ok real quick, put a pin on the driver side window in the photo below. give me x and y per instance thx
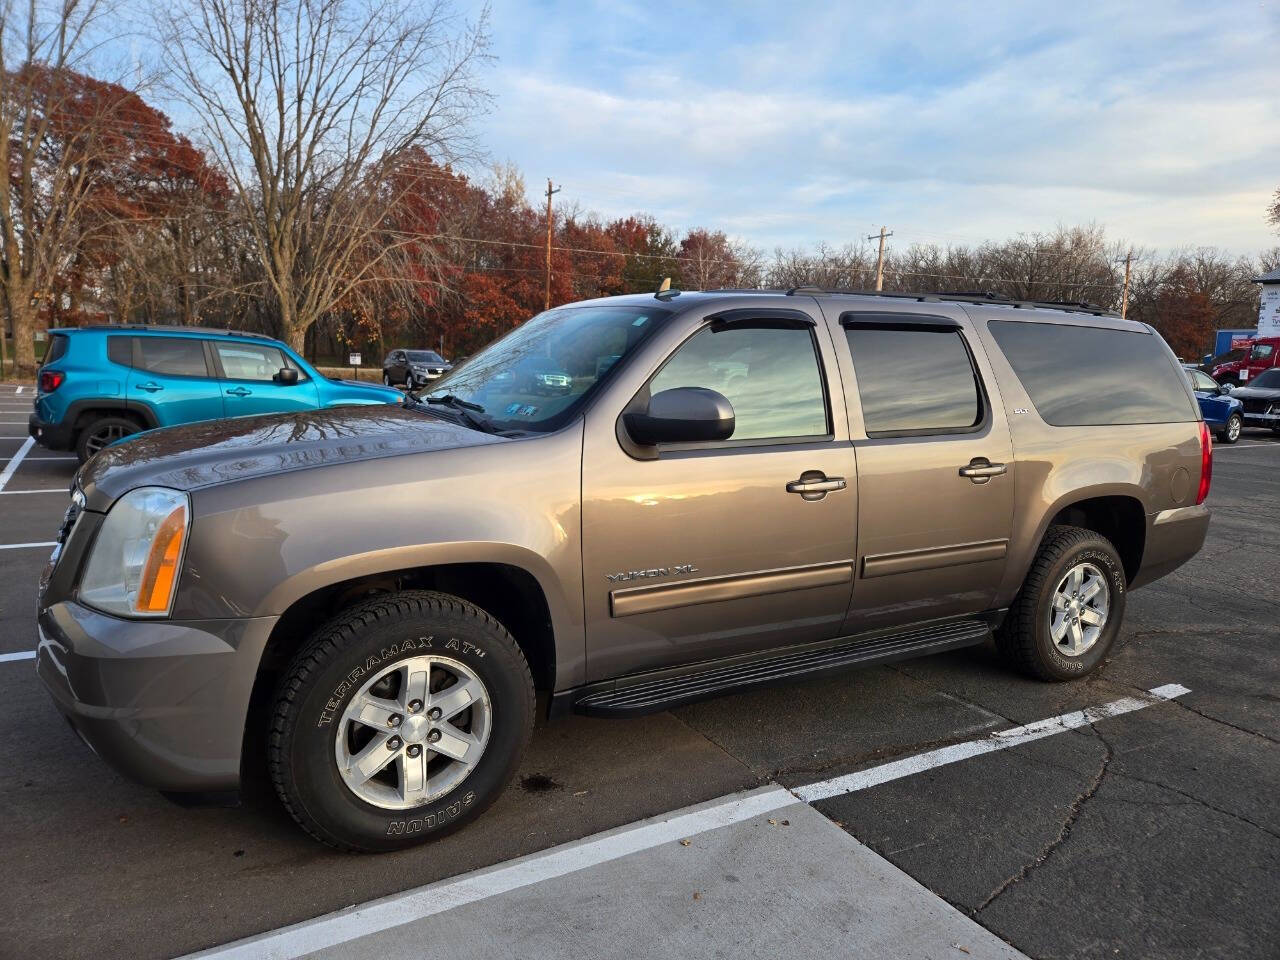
(769, 374)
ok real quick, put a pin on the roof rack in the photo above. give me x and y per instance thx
(171, 328)
(995, 299)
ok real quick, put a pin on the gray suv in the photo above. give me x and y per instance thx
(724, 490)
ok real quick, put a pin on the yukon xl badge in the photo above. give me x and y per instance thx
(651, 572)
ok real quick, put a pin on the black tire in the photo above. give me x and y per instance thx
(1024, 639)
(386, 379)
(327, 673)
(101, 432)
(1230, 431)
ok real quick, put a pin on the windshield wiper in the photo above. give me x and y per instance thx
(466, 410)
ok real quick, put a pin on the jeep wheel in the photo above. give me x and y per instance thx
(102, 433)
(1066, 617)
(399, 721)
(1230, 431)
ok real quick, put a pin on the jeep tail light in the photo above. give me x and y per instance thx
(1206, 462)
(51, 380)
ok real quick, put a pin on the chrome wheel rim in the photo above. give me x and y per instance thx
(104, 438)
(413, 732)
(1233, 429)
(1078, 613)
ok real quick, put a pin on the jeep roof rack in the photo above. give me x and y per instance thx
(168, 327)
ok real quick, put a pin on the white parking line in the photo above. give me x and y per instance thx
(1001, 740)
(13, 464)
(20, 546)
(11, 493)
(24, 655)
(363, 920)
(19, 390)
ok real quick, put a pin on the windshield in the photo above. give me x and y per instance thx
(538, 376)
(424, 356)
(1270, 379)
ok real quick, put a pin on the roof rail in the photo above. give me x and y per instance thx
(170, 328)
(995, 299)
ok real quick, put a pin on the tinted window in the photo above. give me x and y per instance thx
(1261, 351)
(250, 361)
(120, 350)
(175, 356)
(57, 348)
(424, 356)
(1268, 379)
(770, 375)
(914, 380)
(1084, 376)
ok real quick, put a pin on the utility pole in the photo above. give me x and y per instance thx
(880, 259)
(550, 192)
(1124, 297)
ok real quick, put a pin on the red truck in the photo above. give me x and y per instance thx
(1261, 353)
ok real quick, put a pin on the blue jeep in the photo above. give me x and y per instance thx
(1223, 413)
(98, 384)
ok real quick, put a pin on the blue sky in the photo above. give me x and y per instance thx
(788, 124)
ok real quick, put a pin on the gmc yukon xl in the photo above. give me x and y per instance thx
(724, 489)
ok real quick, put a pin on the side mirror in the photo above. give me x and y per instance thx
(286, 376)
(1224, 388)
(682, 415)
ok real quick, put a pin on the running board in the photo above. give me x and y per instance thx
(647, 693)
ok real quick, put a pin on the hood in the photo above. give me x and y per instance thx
(1256, 393)
(221, 451)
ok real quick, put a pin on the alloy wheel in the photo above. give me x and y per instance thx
(413, 732)
(1078, 613)
(104, 438)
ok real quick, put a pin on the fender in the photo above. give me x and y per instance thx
(77, 407)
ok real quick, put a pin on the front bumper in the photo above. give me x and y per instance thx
(1173, 537)
(164, 702)
(1261, 419)
(54, 436)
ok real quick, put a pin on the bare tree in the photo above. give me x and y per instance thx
(54, 125)
(1273, 211)
(306, 103)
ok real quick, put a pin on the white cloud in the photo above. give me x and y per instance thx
(801, 125)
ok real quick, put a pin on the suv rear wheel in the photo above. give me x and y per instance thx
(400, 721)
(1230, 431)
(102, 433)
(1068, 613)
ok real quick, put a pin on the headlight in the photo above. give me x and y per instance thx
(133, 566)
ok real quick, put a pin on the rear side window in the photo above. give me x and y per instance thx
(57, 348)
(1261, 351)
(914, 382)
(174, 356)
(1090, 376)
(120, 350)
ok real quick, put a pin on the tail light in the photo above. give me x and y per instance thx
(51, 380)
(1206, 463)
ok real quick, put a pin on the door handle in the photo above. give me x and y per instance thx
(239, 392)
(814, 485)
(150, 387)
(981, 470)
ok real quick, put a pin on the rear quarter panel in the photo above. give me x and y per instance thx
(1156, 464)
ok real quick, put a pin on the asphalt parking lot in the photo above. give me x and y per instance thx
(1154, 833)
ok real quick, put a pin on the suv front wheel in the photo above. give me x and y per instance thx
(1067, 615)
(400, 721)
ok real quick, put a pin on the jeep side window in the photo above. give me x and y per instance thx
(769, 374)
(914, 381)
(250, 361)
(173, 356)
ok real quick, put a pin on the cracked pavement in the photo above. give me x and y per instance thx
(1151, 834)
